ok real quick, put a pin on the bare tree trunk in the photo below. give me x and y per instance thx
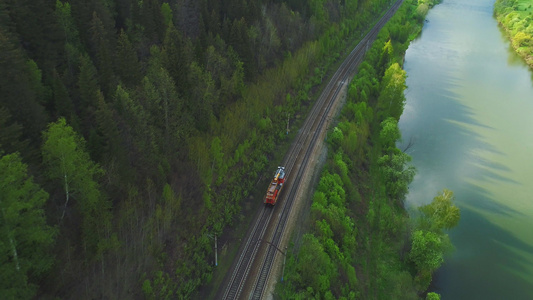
(13, 247)
(68, 196)
(103, 270)
(15, 254)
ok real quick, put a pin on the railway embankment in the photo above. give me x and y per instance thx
(359, 243)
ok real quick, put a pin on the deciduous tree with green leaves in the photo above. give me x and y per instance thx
(426, 251)
(396, 172)
(429, 241)
(391, 99)
(440, 214)
(432, 296)
(25, 237)
(69, 166)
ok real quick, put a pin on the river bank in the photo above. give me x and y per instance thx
(515, 17)
(359, 242)
(468, 117)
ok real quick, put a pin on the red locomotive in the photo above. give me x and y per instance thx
(275, 187)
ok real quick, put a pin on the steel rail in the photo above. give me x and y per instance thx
(344, 73)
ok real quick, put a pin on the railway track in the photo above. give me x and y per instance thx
(296, 165)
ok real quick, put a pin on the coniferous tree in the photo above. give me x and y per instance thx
(238, 38)
(176, 57)
(11, 139)
(62, 102)
(73, 45)
(164, 105)
(123, 12)
(201, 97)
(35, 80)
(88, 91)
(103, 57)
(211, 19)
(16, 93)
(83, 13)
(138, 135)
(112, 150)
(106, 126)
(127, 64)
(5, 21)
(37, 29)
(63, 12)
(151, 19)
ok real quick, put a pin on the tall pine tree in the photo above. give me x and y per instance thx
(176, 57)
(16, 93)
(101, 47)
(127, 64)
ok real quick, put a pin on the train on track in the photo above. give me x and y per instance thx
(274, 189)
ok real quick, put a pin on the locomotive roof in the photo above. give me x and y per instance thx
(281, 172)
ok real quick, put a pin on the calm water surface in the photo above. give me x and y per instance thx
(469, 112)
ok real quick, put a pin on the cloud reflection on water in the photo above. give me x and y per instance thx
(458, 124)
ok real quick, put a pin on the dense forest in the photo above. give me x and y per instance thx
(361, 242)
(132, 130)
(516, 17)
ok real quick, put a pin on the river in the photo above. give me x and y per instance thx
(469, 115)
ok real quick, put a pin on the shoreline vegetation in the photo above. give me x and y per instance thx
(516, 18)
(362, 243)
